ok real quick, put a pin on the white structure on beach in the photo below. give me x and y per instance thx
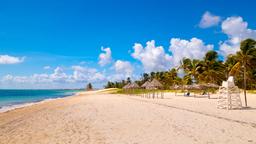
(229, 95)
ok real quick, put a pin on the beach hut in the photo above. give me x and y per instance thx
(133, 86)
(210, 86)
(198, 87)
(126, 87)
(144, 86)
(176, 87)
(193, 87)
(154, 85)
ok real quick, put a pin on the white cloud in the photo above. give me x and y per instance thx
(58, 79)
(152, 58)
(83, 74)
(40, 78)
(123, 67)
(237, 30)
(59, 75)
(194, 49)
(105, 58)
(209, 20)
(123, 70)
(47, 67)
(6, 59)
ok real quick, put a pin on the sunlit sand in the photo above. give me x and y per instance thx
(99, 117)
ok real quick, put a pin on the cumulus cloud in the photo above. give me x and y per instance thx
(209, 20)
(6, 59)
(123, 69)
(194, 49)
(59, 77)
(84, 74)
(105, 57)
(153, 58)
(237, 30)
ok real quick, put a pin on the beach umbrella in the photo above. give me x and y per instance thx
(186, 87)
(154, 84)
(126, 86)
(211, 85)
(150, 86)
(145, 84)
(197, 87)
(194, 87)
(134, 86)
(176, 87)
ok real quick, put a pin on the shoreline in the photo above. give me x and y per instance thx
(5, 109)
(99, 117)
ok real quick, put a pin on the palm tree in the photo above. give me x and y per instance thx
(190, 67)
(246, 57)
(128, 80)
(145, 77)
(169, 77)
(89, 87)
(211, 70)
(193, 70)
(229, 64)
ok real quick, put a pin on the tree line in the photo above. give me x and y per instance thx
(241, 65)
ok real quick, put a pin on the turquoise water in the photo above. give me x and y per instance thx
(18, 97)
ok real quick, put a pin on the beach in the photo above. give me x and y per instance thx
(100, 117)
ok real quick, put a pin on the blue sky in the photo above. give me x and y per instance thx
(48, 34)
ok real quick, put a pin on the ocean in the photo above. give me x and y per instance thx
(10, 99)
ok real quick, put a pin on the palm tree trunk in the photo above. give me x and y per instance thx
(245, 98)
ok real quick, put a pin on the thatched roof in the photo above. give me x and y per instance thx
(194, 87)
(197, 87)
(145, 84)
(176, 87)
(211, 85)
(154, 84)
(134, 86)
(127, 86)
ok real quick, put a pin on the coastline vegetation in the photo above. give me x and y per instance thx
(211, 69)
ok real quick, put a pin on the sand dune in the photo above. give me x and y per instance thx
(116, 119)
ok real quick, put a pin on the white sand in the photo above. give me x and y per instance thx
(119, 119)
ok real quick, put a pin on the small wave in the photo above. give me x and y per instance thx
(16, 106)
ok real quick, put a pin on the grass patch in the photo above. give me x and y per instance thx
(143, 91)
(251, 91)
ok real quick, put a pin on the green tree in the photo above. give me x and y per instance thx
(128, 80)
(210, 69)
(169, 78)
(89, 87)
(152, 75)
(145, 77)
(190, 68)
(246, 59)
